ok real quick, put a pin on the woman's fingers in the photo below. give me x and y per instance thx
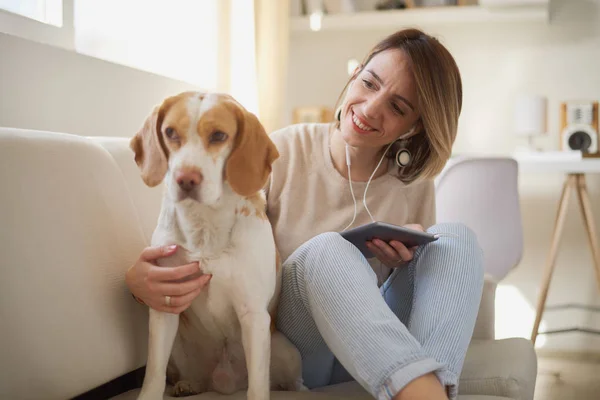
(390, 253)
(404, 253)
(393, 254)
(162, 274)
(152, 253)
(180, 288)
(178, 304)
(186, 299)
(381, 256)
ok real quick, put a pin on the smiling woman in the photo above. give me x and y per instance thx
(406, 95)
(414, 86)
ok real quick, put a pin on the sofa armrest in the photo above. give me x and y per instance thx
(485, 325)
(506, 367)
(69, 234)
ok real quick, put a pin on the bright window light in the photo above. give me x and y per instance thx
(352, 64)
(177, 39)
(46, 11)
(315, 20)
(515, 315)
(243, 61)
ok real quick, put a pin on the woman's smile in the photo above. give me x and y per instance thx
(360, 125)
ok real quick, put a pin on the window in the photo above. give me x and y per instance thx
(177, 39)
(206, 43)
(46, 11)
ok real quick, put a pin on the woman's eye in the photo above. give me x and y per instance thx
(368, 84)
(218, 137)
(171, 134)
(397, 109)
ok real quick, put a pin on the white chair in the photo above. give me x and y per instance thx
(483, 193)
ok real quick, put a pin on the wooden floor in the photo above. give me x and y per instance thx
(565, 379)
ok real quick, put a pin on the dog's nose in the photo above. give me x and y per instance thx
(188, 179)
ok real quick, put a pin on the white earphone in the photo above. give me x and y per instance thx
(402, 156)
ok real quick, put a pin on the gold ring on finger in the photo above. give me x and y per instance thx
(168, 301)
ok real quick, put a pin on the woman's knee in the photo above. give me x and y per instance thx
(460, 243)
(326, 257)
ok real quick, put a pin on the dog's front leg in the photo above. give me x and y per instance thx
(257, 348)
(163, 328)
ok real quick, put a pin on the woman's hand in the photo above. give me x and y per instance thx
(164, 288)
(393, 254)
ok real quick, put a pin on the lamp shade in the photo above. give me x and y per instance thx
(531, 115)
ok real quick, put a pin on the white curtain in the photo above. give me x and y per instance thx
(257, 60)
(242, 67)
(272, 44)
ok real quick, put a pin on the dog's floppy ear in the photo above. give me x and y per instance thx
(150, 153)
(249, 164)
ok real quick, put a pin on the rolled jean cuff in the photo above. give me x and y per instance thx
(405, 374)
(450, 382)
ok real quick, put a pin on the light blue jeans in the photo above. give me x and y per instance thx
(419, 321)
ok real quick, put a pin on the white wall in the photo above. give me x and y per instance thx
(560, 59)
(49, 88)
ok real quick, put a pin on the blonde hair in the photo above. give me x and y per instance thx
(439, 92)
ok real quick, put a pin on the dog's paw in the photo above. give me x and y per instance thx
(184, 388)
(299, 386)
(303, 388)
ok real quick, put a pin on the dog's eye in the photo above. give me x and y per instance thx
(171, 134)
(217, 137)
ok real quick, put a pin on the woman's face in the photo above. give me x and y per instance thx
(381, 102)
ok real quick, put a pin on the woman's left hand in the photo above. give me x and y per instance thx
(393, 254)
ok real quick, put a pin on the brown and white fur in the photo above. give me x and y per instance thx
(214, 158)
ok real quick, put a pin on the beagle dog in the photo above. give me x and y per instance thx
(214, 158)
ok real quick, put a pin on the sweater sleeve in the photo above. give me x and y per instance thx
(276, 180)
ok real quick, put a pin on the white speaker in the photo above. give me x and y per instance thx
(579, 127)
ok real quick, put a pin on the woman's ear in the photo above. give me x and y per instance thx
(414, 130)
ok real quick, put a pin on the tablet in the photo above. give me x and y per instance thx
(387, 232)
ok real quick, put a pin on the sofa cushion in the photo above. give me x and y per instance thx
(345, 391)
(351, 391)
(490, 372)
(68, 323)
(147, 200)
(132, 395)
(506, 367)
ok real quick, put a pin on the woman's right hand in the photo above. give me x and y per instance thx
(152, 284)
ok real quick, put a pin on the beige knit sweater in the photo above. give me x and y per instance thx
(307, 196)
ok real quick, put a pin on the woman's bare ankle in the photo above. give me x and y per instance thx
(426, 387)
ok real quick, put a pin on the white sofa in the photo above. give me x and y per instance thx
(75, 215)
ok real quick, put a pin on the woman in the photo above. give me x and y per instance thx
(400, 323)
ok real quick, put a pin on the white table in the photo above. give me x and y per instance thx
(575, 168)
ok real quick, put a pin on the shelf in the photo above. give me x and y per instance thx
(394, 19)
